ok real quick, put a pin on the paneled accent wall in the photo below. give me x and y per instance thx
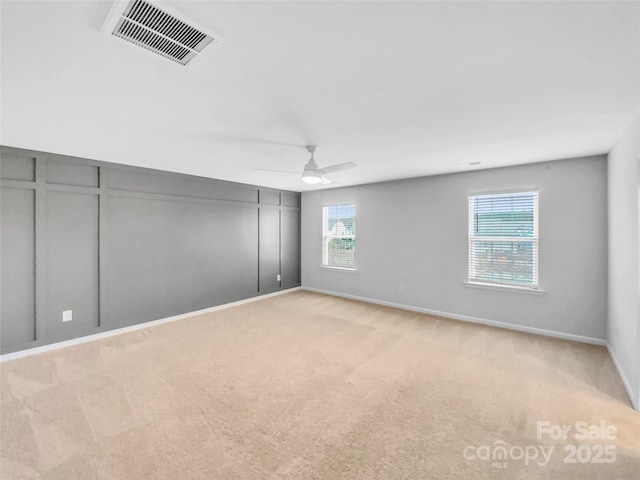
(119, 245)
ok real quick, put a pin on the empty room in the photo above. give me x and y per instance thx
(319, 240)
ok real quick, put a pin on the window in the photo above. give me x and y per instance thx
(503, 239)
(339, 236)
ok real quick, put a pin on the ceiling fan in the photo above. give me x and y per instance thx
(312, 173)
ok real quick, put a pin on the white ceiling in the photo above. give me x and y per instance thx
(403, 89)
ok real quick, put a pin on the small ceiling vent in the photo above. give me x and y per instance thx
(157, 29)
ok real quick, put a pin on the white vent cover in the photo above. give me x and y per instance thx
(153, 27)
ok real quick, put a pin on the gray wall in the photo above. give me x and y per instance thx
(414, 233)
(624, 271)
(123, 245)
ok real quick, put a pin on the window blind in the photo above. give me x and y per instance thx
(339, 236)
(503, 238)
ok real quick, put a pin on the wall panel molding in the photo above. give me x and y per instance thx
(159, 244)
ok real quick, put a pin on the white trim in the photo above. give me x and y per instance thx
(505, 288)
(475, 240)
(625, 381)
(339, 269)
(504, 191)
(327, 236)
(467, 318)
(119, 331)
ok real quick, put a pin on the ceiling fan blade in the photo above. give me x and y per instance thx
(337, 168)
(325, 180)
(279, 171)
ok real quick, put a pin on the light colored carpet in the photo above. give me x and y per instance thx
(307, 386)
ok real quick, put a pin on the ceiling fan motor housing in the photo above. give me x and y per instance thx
(310, 173)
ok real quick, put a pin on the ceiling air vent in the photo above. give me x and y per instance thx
(158, 30)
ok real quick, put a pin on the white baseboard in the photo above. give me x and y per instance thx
(466, 318)
(119, 331)
(625, 381)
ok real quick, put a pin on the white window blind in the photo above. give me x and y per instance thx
(503, 239)
(339, 236)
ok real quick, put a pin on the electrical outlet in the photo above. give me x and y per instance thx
(401, 287)
(67, 315)
(278, 277)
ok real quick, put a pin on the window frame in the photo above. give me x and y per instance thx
(534, 286)
(327, 237)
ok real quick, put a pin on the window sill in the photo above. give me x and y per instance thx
(505, 288)
(339, 269)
